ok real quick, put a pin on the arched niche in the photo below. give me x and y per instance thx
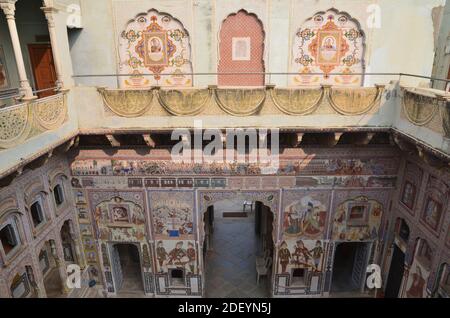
(158, 44)
(328, 42)
(241, 50)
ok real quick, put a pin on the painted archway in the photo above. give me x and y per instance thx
(241, 50)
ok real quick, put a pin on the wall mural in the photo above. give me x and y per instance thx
(305, 213)
(296, 253)
(118, 216)
(172, 214)
(357, 219)
(155, 43)
(330, 42)
(305, 166)
(413, 177)
(300, 265)
(176, 254)
(417, 276)
(435, 201)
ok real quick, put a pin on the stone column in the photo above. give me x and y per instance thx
(9, 8)
(50, 12)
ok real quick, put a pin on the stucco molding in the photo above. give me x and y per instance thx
(127, 102)
(240, 102)
(354, 101)
(184, 102)
(419, 108)
(301, 101)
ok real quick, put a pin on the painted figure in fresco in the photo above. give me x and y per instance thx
(301, 254)
(329, 43)
(432, 213)
(178, 255)
(161, 255)
(417, 285)
(284, 255)
(155, 46)
(120, 214)
(191, 255)
(317, 252)
(306, 218)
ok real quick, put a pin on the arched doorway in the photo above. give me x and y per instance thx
(127, 273)
(397, 268)
(49, 266)
(238, 248)
(68, 243)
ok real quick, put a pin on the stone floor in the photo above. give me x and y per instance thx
(230, 266)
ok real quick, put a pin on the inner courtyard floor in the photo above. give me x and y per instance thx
(231, 263)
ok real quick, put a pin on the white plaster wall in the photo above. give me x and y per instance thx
(404, 43)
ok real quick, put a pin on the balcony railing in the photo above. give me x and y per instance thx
(243, 101)
(25, 120)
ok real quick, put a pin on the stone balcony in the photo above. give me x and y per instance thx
(33, 129)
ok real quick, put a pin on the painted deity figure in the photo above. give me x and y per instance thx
(161, 255)
(284, 256)
(191, 256)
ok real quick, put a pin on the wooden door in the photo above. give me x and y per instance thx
(44, 73)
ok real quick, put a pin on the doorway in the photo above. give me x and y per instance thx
(395, 275)
(349, 267)
(41, 57)
(127, 270)
(238, 238)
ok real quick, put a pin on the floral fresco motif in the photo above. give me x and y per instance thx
(330, 42)
(174, 254)
(172, 213)
(155, 43)
(357, 219)
(306, 217)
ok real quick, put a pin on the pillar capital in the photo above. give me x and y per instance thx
(49, 15)
(8, 7)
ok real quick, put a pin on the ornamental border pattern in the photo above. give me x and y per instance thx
(21, 122)
(242, 101)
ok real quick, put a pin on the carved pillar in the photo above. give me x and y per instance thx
(9, 8)
(50, 12)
